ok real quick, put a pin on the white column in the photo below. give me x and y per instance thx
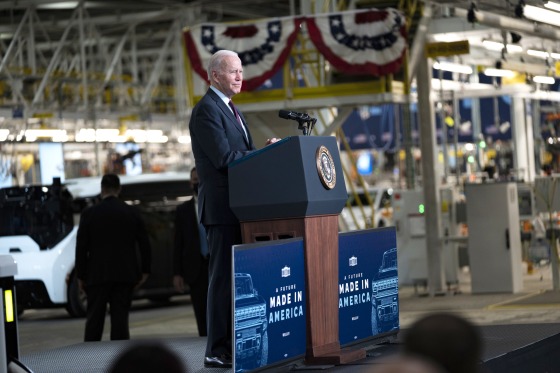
(522, 136)
(430, 178)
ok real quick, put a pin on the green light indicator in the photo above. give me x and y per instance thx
(482, 144)
(470, 159)
(421, 208)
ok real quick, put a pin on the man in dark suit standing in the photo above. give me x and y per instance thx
(190, 256)
(219, 135)
(113, 256)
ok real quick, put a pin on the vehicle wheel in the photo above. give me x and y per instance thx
(264, 350)
(77, 300)
(374, 327)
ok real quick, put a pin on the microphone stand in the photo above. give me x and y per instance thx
(306, 125)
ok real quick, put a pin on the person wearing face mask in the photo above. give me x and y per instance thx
(190, 256)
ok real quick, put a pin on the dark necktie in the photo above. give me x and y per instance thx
(232, 106)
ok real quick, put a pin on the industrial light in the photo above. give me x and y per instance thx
(543, 79)
(55, 135)
(113, 135)
(498, 46)
(99, 135)
(504, 73)
(4, 133)
(536, 53)
(184, 139)
(541, 15)
(60, 5)
(504, 127)
(552, 5)
(452, 67)
(543, 54)
(141, 136)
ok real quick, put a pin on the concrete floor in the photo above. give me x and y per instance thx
(48, 337)
(487, 309)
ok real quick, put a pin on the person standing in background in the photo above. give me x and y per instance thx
(190, 256)
(219, 136)
(113, 256)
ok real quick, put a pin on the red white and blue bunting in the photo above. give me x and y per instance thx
(263, 47)
(371, 42)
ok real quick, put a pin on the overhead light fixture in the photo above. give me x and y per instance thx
(99, 135)
(543, 79)
(498, 46)
(543, 54)
(493, 45)
(114, 135)
(504, 127)
(184, 139)
(452, 67)
(536, 53)
(4, 133)
(552, 5)
(504, 73)
(60, 5)
(541, 15)
(54, 134)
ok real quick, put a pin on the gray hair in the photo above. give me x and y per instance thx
(216, 60)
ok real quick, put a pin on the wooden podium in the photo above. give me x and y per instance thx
(295, 188)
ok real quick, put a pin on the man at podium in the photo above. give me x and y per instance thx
(219, 135)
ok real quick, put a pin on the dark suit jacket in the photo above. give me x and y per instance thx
(187, 259)
(217, 140)
(112, 244)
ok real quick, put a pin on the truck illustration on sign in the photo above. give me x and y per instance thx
(385, 295)
(251, 337)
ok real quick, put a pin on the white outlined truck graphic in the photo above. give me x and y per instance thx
(385, 295)
(251, 337)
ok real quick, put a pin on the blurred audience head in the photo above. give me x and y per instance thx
(148, 357)
(448, 340)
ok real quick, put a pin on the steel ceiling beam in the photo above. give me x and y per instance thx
(512, 24)
(156, 72)
(53, 62)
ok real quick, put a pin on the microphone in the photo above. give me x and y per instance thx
(287, 114)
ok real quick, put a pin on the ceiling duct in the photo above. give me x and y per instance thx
(512, 24)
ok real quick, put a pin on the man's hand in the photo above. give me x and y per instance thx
(271, 141)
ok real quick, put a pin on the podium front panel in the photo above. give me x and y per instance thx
(282, 181)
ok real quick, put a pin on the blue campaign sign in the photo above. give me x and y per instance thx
(368, 284)
(269, 306)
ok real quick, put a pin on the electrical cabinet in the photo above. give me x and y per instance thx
(494, 242)
(409, 218)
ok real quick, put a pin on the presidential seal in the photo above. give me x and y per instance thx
(325, 167)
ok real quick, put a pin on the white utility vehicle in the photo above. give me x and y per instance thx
(38, 227)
